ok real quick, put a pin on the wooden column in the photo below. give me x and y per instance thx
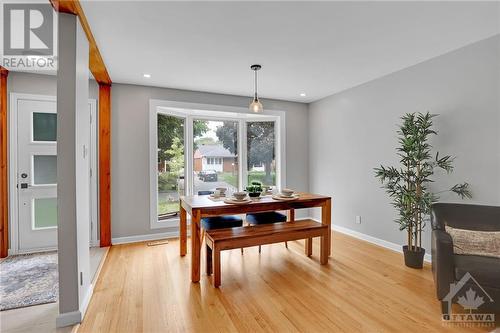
(4, 176)
(100, 73)
(105, 164)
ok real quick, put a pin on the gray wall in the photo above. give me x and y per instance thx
(353, 131)
(130, 153)
(28, 83)
(130, 142)
(349, 134)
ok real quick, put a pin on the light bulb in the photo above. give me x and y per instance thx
(256, 106)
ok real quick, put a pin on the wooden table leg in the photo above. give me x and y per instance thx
(309, 247)
(209, 260)
(323, 256)
(326, 218)
(183, 231)
(195, 245)
(216, 267)
(291, 218)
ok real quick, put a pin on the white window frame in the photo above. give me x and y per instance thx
(191, 111)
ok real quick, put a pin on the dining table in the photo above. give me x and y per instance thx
(200, 206)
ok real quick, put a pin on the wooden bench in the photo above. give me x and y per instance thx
(233, 238)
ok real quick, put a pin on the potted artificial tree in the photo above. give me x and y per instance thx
(407, 184)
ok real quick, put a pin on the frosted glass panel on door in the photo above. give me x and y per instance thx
(44, 126)
(44, 169)
(45, 214)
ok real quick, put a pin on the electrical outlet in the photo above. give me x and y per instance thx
(358, 219)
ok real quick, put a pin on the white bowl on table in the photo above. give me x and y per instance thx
(286, 192)
(240, 195)
(222, 190)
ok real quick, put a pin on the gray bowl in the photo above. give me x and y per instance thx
(240, 195)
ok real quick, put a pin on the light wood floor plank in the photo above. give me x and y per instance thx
(364, 288)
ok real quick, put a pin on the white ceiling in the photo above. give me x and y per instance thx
(317, 48)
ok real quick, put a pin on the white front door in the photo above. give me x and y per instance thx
(37, 172)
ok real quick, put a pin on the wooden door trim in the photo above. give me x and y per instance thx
(100, 73)
(96, 64)
(4, 174)
(104, 137)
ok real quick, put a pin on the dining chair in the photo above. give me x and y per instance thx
(266, 218)
(219, 222)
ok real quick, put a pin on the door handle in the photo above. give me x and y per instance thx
(24, 185)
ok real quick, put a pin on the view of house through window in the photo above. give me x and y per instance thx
(197, 153)
(170, 164)
(261, 155)
(215, 158)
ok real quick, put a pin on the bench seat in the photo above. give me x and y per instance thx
(232, 238)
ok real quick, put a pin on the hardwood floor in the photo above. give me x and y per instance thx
(364, 288)
(42, 318)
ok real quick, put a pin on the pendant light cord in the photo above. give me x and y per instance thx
(255, 85)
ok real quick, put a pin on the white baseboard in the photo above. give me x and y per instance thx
(76, 317)
(86, 300)
(12, 252)
(68, 318)
(142, 238)
(377, 241)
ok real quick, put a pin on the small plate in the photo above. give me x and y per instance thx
(280, 197)
(236, 201)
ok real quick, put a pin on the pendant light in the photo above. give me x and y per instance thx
(256, 105)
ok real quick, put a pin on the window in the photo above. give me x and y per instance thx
(44, 126)
(217, 141)
(197, 148)
(44, 169)
(261, 156)
(170, 166)
(214, 160)
(44, 213)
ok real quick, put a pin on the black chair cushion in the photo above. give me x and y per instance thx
(266, 218)
(220, 222)
(205, 192)
(486, 270)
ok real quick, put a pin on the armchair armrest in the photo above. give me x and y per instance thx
(443, 266)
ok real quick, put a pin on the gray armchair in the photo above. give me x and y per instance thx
(448, 267)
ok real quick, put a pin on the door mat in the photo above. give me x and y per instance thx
(28, 279)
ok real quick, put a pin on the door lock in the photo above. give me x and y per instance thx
(24, 175)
